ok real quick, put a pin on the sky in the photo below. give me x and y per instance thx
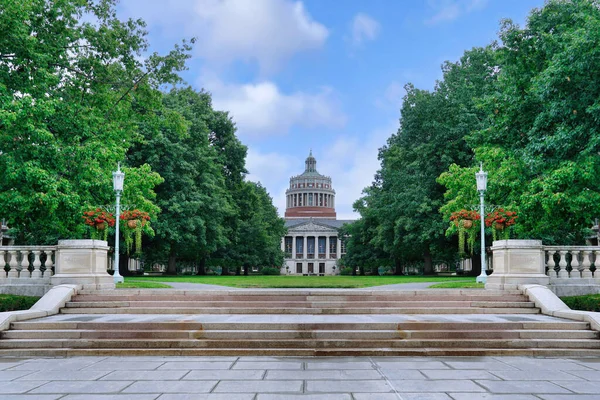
(326, 75)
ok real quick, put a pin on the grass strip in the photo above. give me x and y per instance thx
(303, 282)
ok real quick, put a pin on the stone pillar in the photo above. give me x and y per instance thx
(283, 244)
(294, 247)
(304, 243)
(517, 262)
(327, 247)
(338, 249)
(82, 262)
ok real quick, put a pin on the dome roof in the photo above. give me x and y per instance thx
(310, 168)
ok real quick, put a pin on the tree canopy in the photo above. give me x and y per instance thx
(527, 107)
(80, 93)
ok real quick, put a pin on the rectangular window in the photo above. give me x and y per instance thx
(298, 268)
(288, 246)
(310, 247)
(343, 247)
(299, 247)
(333, 247)
(322, 252)
(310, 199)
(311, 268)
(321, 268)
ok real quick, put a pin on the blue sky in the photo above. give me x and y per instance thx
(320, 74)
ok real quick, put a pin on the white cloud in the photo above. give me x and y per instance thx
(262, 109)
(364, 28)
(352, 163)
(264, 31)
(273, 171)
(449, 10)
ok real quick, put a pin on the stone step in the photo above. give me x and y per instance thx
(298, 334)
(286, 293)
(313, 326)
(348, 352)
(274, 305)
(301, 343)
(322, 311)
(291, 299)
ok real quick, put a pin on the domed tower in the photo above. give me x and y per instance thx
(310, 194)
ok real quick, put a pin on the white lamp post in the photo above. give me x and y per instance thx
(118, 178)
(481, 178)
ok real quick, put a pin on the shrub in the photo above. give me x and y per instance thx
(271, 271)
(9, 302)
(589, 302)
(346, 271)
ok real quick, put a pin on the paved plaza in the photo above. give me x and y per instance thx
(268, 378)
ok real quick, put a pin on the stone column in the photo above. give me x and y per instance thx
(517, 262)
(294, 247)
(338, 249)
(82, 262)
(327, 247)
(283, 244)
(304, 243)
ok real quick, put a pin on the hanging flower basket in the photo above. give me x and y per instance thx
(99, 221)
(134, 223)
(467, 229)
(500, 221)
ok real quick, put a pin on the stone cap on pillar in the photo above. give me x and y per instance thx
(516, 244)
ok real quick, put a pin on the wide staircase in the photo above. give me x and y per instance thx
(297, 322)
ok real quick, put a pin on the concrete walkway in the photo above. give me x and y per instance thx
(204, 286)
(269, 378)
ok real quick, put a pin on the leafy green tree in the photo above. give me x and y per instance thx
(258, 239)
(70, 92)
(193, 198)
(405, 197)
(541, 140)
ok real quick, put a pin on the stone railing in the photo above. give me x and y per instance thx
(33, 270)
(26, 262)
(566, 270)
(573, 262)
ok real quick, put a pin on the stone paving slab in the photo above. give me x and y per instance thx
(301, 318)
(300, 378)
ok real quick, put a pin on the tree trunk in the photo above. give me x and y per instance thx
(124, 265)
(246, 267)
(399, 269)
(238, 271)
(428, 263)
(172, 265)
(201, 269)
(476, 264)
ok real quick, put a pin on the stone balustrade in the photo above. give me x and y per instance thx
(566, 270)
(26, 262)
(33, 270)
(573, 262)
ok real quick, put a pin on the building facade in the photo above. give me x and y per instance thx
(312, 245)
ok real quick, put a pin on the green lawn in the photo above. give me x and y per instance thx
(10, 302)
(270, 281)
(458, 285)
(133, 284)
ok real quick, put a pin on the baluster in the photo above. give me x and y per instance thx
(36, 273)
(2, 264)
(13, 272)
(575, 272)
(597, 264)
(562, 273)
(25, 274)
(586, 273)
(48, 263)
(551, 264)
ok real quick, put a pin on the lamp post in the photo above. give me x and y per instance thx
(118, 178)
(481, 178)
